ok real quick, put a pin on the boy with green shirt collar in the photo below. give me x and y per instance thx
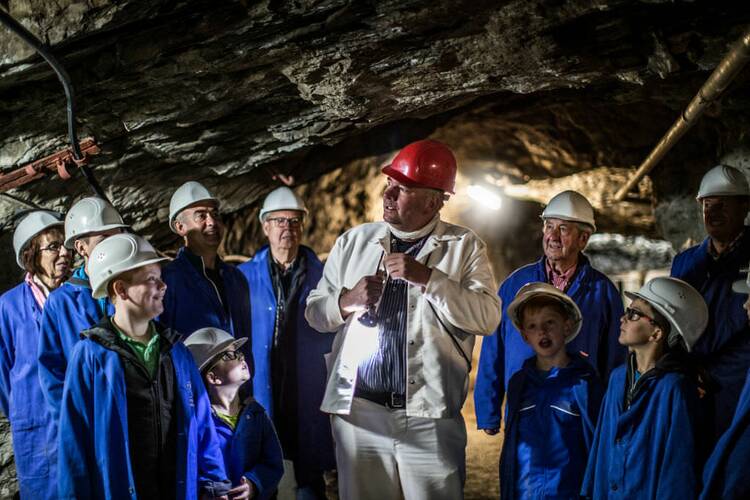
(133, 378)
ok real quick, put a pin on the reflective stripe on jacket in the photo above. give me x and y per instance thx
(549, 428)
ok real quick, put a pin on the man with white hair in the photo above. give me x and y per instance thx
(404, 335)
(711, 268)
(290, 370)
(568, 222)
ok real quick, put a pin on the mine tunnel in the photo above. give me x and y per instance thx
(532, 97)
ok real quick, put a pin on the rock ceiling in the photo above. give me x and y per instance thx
(534, 95)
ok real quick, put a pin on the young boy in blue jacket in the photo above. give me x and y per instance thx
(645, 444)
(552, 401)
(135, 420)
(251, 450)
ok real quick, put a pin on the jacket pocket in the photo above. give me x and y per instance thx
(31, 449)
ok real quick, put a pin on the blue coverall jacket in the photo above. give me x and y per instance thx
(647, 450)
(724, 348)
(69, 310)
(727, 472)
(94, 457)
(251, 450)
(21, 398)
(192, 302)
(548, 430)
(314, 438)
(504, 353)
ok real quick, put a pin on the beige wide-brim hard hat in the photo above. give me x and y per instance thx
(539, 289)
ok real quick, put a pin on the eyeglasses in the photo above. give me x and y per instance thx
(634, 315)
(54, 247)
(201, 216)
(285, 221)
(232, 355)
(226, 356)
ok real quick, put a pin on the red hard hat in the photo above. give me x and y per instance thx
(424, 163)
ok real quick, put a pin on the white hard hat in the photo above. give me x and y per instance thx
(572, 206)
(118, 254)
(533, 290)
(90, 215)
(723, 180)
(680, 304)
(207, 343)
(188, 194)
(31, 225)
(282, 198)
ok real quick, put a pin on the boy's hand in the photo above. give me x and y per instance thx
(491, 432)
(245, 491)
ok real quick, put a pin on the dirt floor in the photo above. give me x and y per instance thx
(482, 451)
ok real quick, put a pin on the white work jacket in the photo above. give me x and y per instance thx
(458, 303)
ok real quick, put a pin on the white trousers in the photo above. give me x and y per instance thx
(381, 454)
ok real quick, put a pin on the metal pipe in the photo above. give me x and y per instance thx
(716, 84)
(64, 78)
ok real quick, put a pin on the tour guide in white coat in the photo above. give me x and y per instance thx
(400, 363)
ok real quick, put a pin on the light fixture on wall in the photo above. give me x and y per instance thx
(488, 198)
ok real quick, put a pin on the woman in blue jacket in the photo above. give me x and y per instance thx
(38, 242)
(135, 420)
(645, 443)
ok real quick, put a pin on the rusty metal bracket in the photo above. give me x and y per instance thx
(55, 163)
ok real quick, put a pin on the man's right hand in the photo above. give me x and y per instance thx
(365, 293)
(491, 432)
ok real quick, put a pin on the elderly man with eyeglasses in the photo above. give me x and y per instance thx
(202, 290)
(568, 223)
(290, 371)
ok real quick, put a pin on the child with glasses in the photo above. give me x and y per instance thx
(252, 452)
(552, 401)
(646, 445)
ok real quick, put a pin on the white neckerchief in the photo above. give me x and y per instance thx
(415, 235)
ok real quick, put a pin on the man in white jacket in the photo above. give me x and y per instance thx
(406, 296)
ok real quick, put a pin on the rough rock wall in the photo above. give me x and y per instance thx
(224, 92)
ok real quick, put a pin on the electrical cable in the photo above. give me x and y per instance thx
(62, 75)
